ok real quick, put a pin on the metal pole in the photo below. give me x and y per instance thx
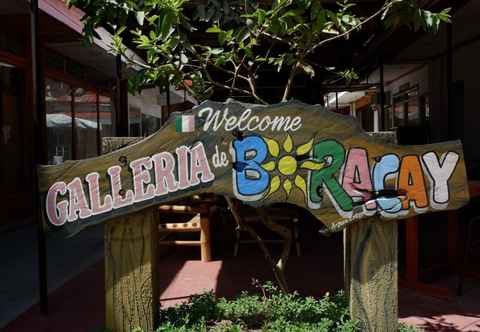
(450, 110)
(74, 129)
(168, 98)
(122, 95)
(99, 138)
(40, 152)
(122, 100)
(382, 95)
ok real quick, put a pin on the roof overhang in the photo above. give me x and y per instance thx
(61, 29)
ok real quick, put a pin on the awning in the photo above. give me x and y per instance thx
(150, 101)
(65, 121)
(99, 56)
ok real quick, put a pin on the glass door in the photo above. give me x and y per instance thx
(15, 174)
(410, 117)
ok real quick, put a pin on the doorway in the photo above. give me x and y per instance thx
(15, 173)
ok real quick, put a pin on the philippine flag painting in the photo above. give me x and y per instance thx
(185, 124)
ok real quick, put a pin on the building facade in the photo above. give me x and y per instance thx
(79, 87)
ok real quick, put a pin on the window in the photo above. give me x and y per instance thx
(58, 102)
(85, 110)
(135, 122)
(406, 108)
(150, 124)
(107, 128)
(75, 121)
(388, 123)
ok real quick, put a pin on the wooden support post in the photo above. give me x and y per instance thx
(130, 272)
(373, 289)
(205, 242)
(347, 260)
(411, 266)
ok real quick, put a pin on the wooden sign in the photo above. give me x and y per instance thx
(288, 152)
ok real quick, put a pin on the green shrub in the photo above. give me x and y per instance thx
(170, 327)
(272, 311)
(294, 308)
(198, 310)
(246, 309)
(281, 325)
(407, 328)
(226, 326)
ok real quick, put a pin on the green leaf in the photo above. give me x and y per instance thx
(348, 74)
(220, 61)
(261, 15)
(279, 63)
(290, 13)
(229, 35)
(242, 34)
(166, 24)
(316, 10)
(183, 58)
(221, 37)
(214, 29)
(444, 15)
(140, 17)
(152, 18)
(320, 21)
(216, 51)
(120, 30)
(308, 69)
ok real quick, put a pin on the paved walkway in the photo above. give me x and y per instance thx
(19, 265)
(79, 304)
(458, 314)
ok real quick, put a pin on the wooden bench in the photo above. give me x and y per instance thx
(199, 223)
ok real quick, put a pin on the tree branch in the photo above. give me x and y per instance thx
(237, 69)
(130, 60)
(286, 234)
(223, 86)
(227, 71)
(278, 272)
(349, 31)
(253, 88)
(291, 76)
(234, 79)
(276, 38)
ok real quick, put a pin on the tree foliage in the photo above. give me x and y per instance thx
(246, 37)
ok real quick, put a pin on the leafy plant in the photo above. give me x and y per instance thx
(249, 37)
(246, 309)
(271, 311)
(199, 309)
(408, 328)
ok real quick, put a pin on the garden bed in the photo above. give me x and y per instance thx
(269, 311)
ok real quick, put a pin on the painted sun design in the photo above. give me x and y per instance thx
(287, 163)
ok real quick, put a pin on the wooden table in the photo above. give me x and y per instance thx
(411, 278)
